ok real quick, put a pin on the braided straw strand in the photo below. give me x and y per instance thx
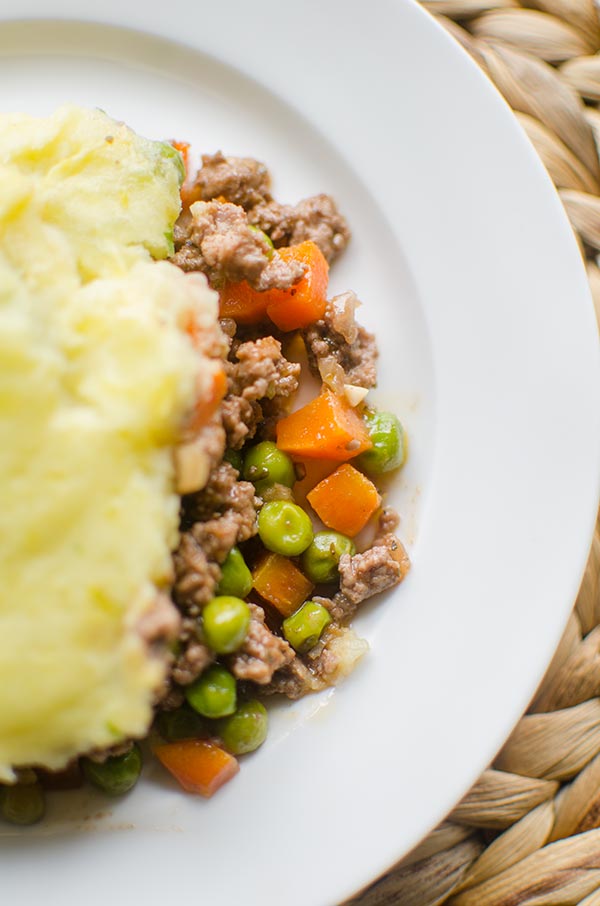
(528, 832)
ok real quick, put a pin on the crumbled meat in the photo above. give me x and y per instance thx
(246, 182)
(262, 652)
(213, 342)
(193, 661)
(220, 516)
(182, 229)
(330, 661)
(211, 440)
(336, 654)
(221, 243)
(257, 371)
(262, 371)
(375, 570)
(294, 680)
(241, 180)
(161, 622)
(222, 495)
(329, 350)
(241, 418)
(169, 696)
(217, 536)
(195, 576)
(316, 218)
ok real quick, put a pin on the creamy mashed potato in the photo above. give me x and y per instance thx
(97, 374)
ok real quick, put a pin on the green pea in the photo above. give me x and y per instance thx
(389, 443)
(321, 558)
(234, 458)
(183, 723)
(23, 803)
(117, 775)
(266, 462)
(236, 578)
(304, 628)
(245, 730)
(284, 528)
(214, 693)
(225, 622)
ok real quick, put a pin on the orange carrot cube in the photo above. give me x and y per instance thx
(279, 581)
(198, 765)
(326, 428)
(345, 500)
(304, 303)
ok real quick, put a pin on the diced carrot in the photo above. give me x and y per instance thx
(206, 406)
(198, 765)
(345, 500)
(242, 303)
(280, 582)
(315, 470)
(289, 309)
(187, 192)
(304, 303)
(184, 150)
(326, 428)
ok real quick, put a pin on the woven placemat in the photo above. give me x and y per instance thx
(528, 832)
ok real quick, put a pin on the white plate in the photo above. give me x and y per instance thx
(471, 277)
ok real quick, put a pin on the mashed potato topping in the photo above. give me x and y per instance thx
(97, 374)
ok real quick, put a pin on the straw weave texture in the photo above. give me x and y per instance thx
(528, 832)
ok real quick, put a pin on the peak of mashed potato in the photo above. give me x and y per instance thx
(97, 374)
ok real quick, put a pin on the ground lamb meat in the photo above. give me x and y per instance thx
(169, 697)
(331, 660)
(339, 350)
(261, 371)
(193, 661)
(195, 576)
(218, 517)
(316, 218)
(246, 182)
(262, 652)
(215, 237)
(241, 180)
(257, 371)
(375, 570)
(294, 681)
(222, 495)
(241, 419)
(213, 342)
(336, 654)
(161, 622)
